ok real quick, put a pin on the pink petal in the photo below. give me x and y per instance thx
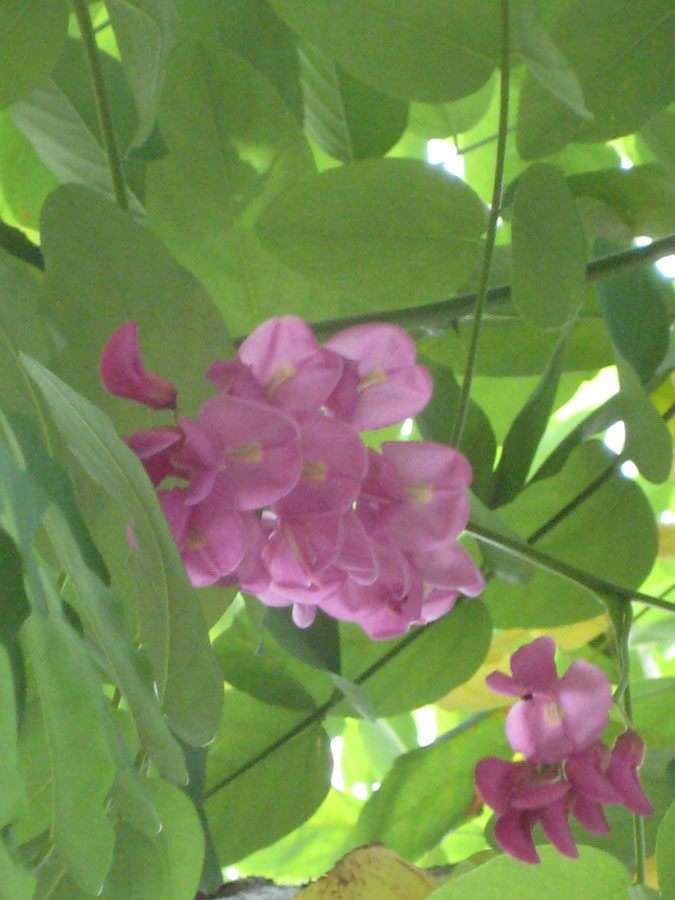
(503, 684)
(627, 756)
(585, 696)
(298, 551)
(390, 386)
(428, 462)
(513, 833)
(534, 728)
(303, 614)
(589, 813)
(231, 376)
(277, 343)
(556, 827)
(307, 389)
(533, 666)
(538, 791)
(260, 460)
(450, 566)
(436, 604)
(356, 556)
(334, 462)
(586, 771)
(155, 447)
(252, 573)
(495, 779)
(124, 375)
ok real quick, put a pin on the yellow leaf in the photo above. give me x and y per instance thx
(371, 873)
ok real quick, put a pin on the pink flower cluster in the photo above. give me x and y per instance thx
(274, 490)
(557, 725)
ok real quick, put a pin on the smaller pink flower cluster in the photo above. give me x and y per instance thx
(274, 489)
(557, 725)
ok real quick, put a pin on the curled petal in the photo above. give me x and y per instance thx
(513, 833)
(503, 684)
(590, 814)
(450, 566)
(303, 614)
(627, 756)
(124, 375)
(534, 728)
(556, 827)
(587, 772)
(495, 779)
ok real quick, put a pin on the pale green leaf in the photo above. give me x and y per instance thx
(31, 38)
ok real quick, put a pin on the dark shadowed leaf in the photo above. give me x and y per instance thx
(346, 118)
(318, 645)
(12, 796)
(665, 861)
(522, 440)
(436, 423)
(443, 120)
(14, 605)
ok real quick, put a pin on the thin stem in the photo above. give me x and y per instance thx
(437, 318)
(491, 229)
(638, 821)
(81, 10)
(558, 567)
(462, 151)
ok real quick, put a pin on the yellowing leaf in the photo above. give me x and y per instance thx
(371, 873)
(474, 695)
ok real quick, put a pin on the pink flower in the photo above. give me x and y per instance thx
(210, 539)
(250, 449)
(555, 716)
(124, 375)
(295, 373)
(156, 447)
(381, 384)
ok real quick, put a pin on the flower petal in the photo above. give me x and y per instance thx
(585, 696)
(513, 833)
(124, 375)
(556, 827)
(533, 665)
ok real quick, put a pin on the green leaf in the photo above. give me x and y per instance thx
(137, 870)
(623, 548)
(436, 421)
(146, 32)
(665, 860)
(254, 662)
(443, 120)
(261, 781)
(55, 484)
(99, 609)
(128, 791)
(524, 435)
(387, 232)
(504, 565)
(318, 645)
(33, 32)
(21, 329)
(82, 768)
(17, 883)
(659, 135)
(438, 779)
(12, 796)
(549, 259)
(643, 197)
(636, 317)
(594, 876)
(436, 51)
(547, 64)
(224, 165)
(173, 629)
(14, 605)
(621, 53)
(346, 118)
(104, 269)
(354, 694)
(181, 840)
(420, 670)
(648, 441)
(25, 179)
(60, 120)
